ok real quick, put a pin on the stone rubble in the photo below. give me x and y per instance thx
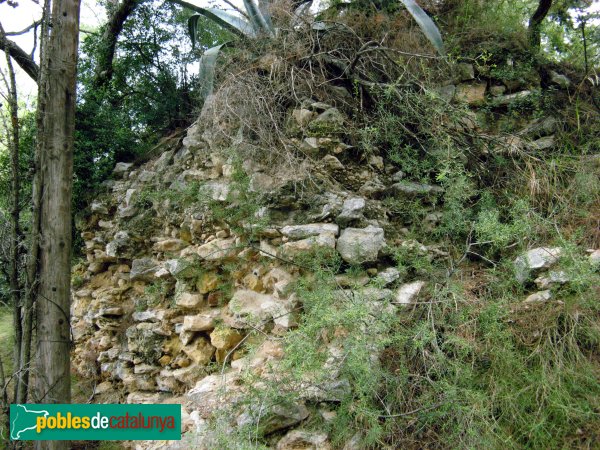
(172, 293)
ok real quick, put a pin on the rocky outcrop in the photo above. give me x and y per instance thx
(192, 259)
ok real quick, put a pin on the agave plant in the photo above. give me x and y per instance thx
(257, 23)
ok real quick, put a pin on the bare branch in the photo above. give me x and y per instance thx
(24, 30)
(20, 56)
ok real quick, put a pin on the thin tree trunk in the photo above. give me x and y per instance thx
(55, 147)
(104, 70)
(15, 213)
(33, 257)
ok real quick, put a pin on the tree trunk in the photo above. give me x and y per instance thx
(56, 122)
(36, 196)
(535, 23)
(15, 215)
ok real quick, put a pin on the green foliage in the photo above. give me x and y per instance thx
(498, 229)
(412, 261)
(178, 198)
(27, 130)
(151, 92)
(241, 210)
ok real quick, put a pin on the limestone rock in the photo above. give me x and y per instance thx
(331, 116)
(331, 163)
(208, 281)
(540, 296)
(200, 322)
(302, 116)
(146, 176)
(551, 279)
(189, 375)
(473, 94)
(595, 257)
(99, 208)
(217, 190)
(166, 382)
(291, 249)
(465, 71)
(188, 300)
(96, 267)
(388, 276)
(277, 280)
(357, 245)
(560, 80)
(218, 249)
(504, 100)
(180, 268)
(535, 259)
(544, 143)
(412, 189)
(186, 336)
(170, 245)
(311, 229)
(352, 209)
(115, 247)
(200, 351)
(407, 293)
(398, 176)
(139, 383)
(152, 315)
(209, 392)
(225, 338)
(102, 388)
(144, 398)
(143, 269)
(164, 161)
(303, 440)
(121, 169)
(373, 188)
(144, 338)
(277, 417)
(250, 307)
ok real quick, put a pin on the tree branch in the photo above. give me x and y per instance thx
(104, 70)
(20, 56)
(24, 30)
(535, 22)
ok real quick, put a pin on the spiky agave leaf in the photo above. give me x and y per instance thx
(206, 74)
(430, 30)
(263, 6)
(257, 19)
(232, 23)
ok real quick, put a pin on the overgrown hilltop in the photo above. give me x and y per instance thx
(359, 244)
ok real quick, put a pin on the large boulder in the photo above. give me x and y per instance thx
(360, 245)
